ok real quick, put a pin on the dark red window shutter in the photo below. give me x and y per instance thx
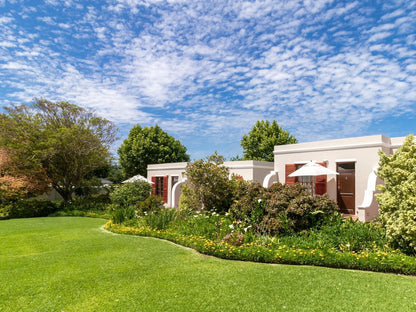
(320, 183)
(165, 189)
(289, 169)
(154, 186)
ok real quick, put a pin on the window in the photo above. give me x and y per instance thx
(316, 185)
(160, 187)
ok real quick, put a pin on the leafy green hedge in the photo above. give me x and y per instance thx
(28, 208)
(380, 261)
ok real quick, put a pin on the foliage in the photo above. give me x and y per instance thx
(259, 143)
(282, 208)
(397, 200)
(122, 214)
(161, 219)
(91, 203)
(129, 194)
(28, 208)
(208, 185)
(275, 252)
(19, 180)
(151, 204)
(145, 146)
(234, 239)
(66, 141)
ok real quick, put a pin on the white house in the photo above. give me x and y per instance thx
(355, 160)
(169, 178)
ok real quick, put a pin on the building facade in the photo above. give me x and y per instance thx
(168, 178)
(354, 159)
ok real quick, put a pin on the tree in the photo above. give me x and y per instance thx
(208, 185)
(259, 143)
(397, 199)
(18, 182)
(145, 146)
(66, 141)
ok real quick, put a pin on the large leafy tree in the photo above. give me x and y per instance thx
(65, 141)
(397, 199)
(259, 143)
(149, 145)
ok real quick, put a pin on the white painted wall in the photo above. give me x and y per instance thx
(363, 151)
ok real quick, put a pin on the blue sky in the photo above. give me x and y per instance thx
(205, 71)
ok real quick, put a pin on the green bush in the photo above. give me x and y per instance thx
(282, 208)
(122, 214)
(152, 203)
(209, 224)
(29, 208)
(208, 185)
(337, 233)
(397, 200)
(162, 219)
(96, 202)
(248, 206)
(129, 194)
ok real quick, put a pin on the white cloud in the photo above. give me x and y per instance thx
(210, 70)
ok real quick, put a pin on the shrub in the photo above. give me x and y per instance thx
(249, 206)
(29, 208)
(129, 194)
(161, 220)
(398, 196)
(209, 224)
(95, 202)
(294, 209)
(282, 208)
(234, 238)
(209, 187)
(122, 214)
(152, 203)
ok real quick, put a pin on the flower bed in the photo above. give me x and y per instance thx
(380, 261)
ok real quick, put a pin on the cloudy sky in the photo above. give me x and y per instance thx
(205, 71)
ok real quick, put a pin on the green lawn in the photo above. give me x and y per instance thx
(71, 264)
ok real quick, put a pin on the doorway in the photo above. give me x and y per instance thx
(346, 187)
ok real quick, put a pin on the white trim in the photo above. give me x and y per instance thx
(248, 166)
(160, 175)
(302, 162)
(334, 147)
(268, 177)
(346, 160)
(371, 188)
(174, 191)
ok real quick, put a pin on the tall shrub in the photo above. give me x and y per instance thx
(129, 194)
(208, 186)
(397, 200)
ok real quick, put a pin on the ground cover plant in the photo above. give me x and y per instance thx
(71, 264)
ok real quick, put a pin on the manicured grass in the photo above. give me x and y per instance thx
(71, 264)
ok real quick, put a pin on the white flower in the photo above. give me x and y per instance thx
(227, 214)
(259, 200)
(246, 228)
(348, 245)
(231, 226)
